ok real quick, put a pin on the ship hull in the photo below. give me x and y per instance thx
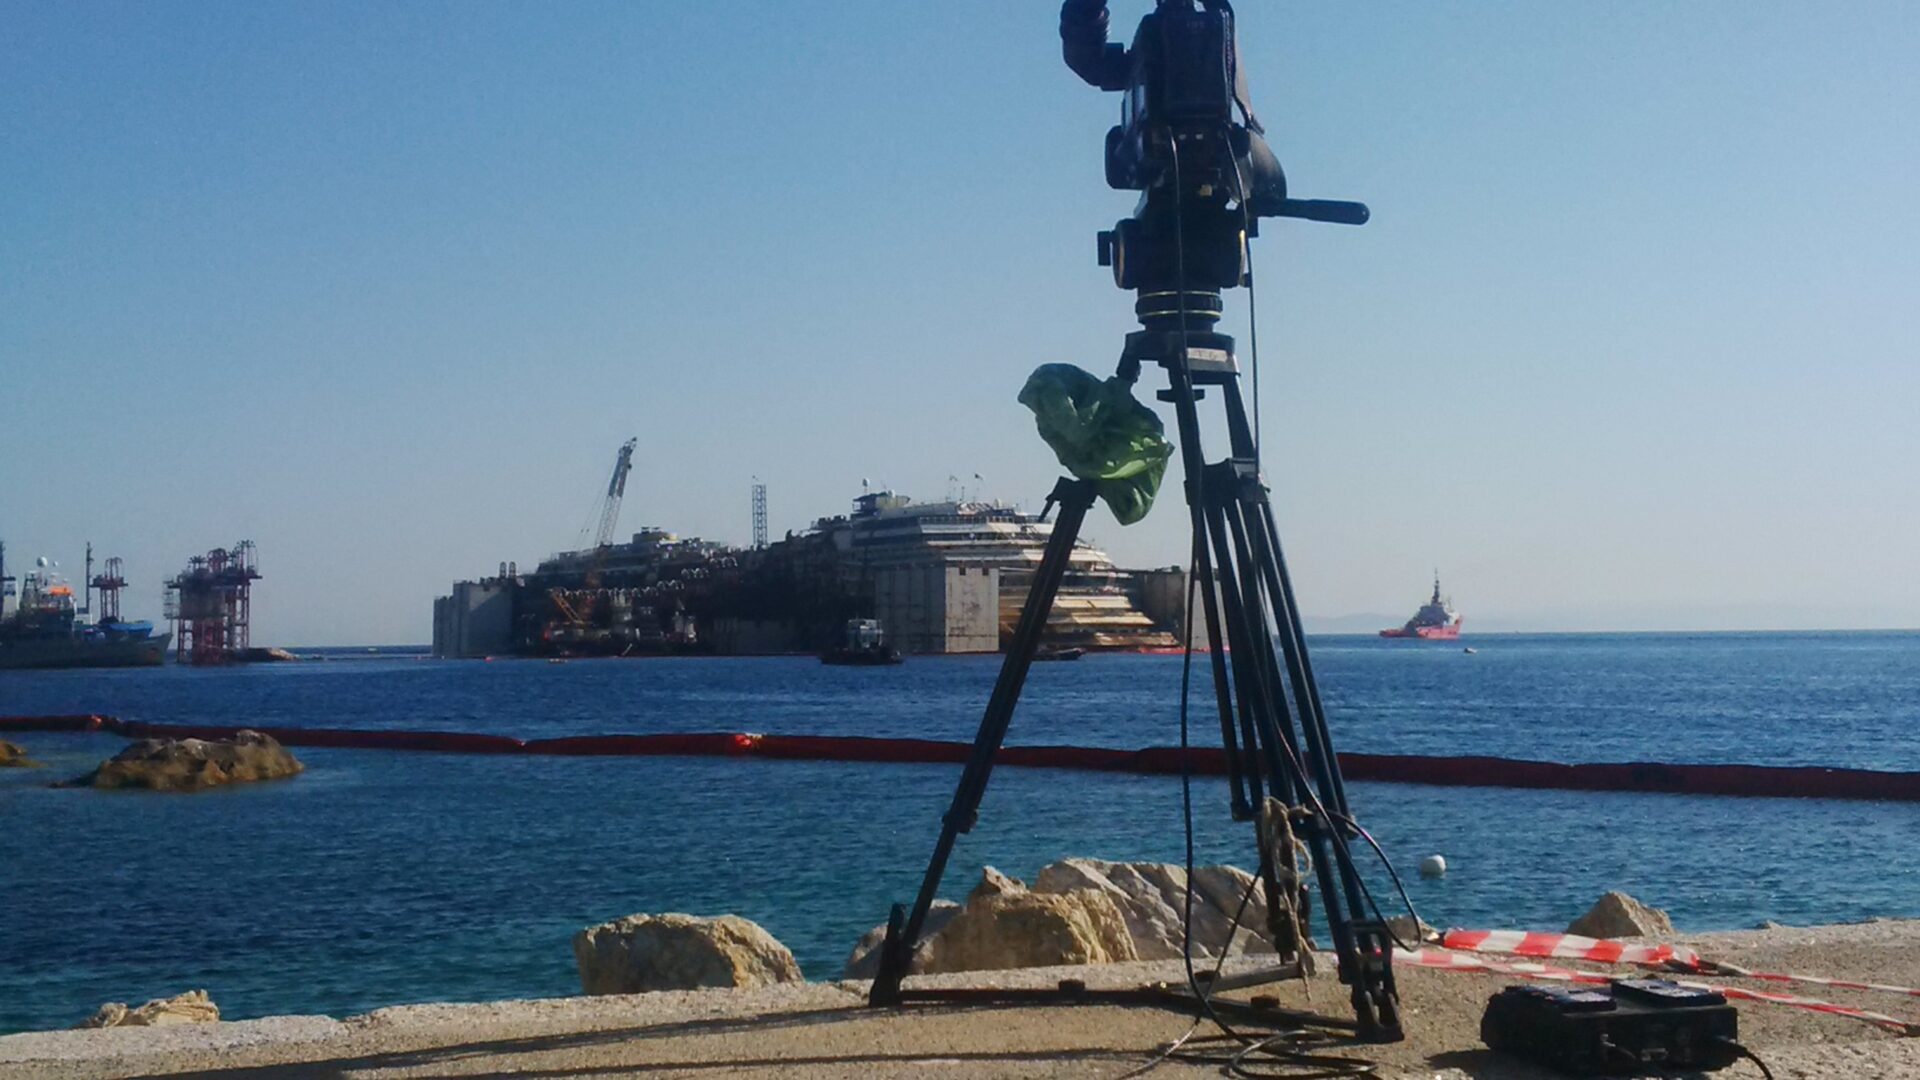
(1449, 632)
(81, 653)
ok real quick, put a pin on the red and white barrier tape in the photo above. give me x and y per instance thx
(1568, 947)
(1453, 961)
(1669, 957)
(1710, 967)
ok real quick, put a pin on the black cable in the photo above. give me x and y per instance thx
(1750, 1056)
(1235, 1065)
(1253, 310)
(1294, 1057)
(1193, 575)
(1186, 774)
(1392, 873)
(1253, 344)
(1340, 842)
(1288, 1053)
(1172, 1049)
(1204, 997)
(1253, 364)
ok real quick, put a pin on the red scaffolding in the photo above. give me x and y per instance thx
(109, 584)
(210, 603)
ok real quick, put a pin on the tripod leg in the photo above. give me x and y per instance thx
(1262, 706)
(1193, 466)
(903, 932)
(1367, 964)
(1361, 943)
(1251, 692)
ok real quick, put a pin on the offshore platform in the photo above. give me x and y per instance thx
(211, 606)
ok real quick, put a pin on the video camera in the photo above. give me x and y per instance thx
(1206, 177)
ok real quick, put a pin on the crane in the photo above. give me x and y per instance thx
(616, 490)
(576, 606)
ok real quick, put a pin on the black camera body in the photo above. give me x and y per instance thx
(1179, 78)
(1206, 176)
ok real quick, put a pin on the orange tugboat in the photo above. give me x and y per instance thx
(1436, 620)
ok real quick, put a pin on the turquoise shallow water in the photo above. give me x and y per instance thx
(380, 878)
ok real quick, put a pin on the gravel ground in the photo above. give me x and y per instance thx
(825, 1030)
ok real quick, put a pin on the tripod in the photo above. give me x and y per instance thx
(1271, 723)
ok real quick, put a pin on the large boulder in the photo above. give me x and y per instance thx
(13, 756)
(1151, 898)
(643, 953)
(1066, 918)
(192, 1007)
(193, 764)
(1002, 930)
(1617, 915)
(864, 962)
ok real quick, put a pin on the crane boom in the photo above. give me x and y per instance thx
(616, 490)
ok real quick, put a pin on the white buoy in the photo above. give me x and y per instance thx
(1433, 866)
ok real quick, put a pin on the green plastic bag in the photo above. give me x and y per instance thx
(1100, 433)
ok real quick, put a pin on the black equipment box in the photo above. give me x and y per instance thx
(1633, 1027)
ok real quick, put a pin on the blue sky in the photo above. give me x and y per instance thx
(1629, 343)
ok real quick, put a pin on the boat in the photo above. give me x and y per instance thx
(865, 645)
(1056, 653)
(40, 625)
(1435, 621)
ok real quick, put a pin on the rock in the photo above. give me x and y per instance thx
(643, 953)
(267, 656)
(1033, 929)
(192, 1007)
(1617, 915)
(1410, 931)
(193, 764)
(1069, 916)
(112, 1014)
(864, 961)
(995, 883)
(1152, 899)
(12, 756)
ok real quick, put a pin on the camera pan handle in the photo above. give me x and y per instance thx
(1333, 211)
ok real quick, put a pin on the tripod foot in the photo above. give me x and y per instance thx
(894, 957)
(1377, 1015)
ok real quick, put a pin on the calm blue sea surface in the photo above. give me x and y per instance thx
(381, 878)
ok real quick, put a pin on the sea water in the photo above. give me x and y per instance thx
(378, 878)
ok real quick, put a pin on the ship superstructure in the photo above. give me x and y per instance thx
(1099, 605)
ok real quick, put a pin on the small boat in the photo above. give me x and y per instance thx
(1054, 653)
(865, 645)
(1469, 650)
